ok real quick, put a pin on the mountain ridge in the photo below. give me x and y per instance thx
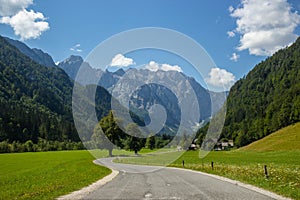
(35, 54)
(142, 100)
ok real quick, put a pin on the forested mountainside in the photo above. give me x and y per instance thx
(37, 55)
(267, 99)
(36, 101)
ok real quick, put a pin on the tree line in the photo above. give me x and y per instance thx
(41, 145)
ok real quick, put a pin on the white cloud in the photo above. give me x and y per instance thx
(76, 48)
(230, 33)
(153, 66)
(265, 26)
(26, 24)
(121, 61)
(12, 7)
(220, 78)
(234, 57)
(167, 67)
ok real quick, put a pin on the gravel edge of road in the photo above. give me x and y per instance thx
(238, 183)
(80, 194)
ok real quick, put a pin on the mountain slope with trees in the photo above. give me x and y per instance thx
(267, 99)
(36, 101)
(37, 55)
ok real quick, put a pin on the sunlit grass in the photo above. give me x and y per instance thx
(159, 158)
(46, 175)
(283, 168)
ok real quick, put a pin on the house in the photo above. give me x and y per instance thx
(223, 145)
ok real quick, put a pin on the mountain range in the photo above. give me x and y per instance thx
(36, 95)
(143, 98)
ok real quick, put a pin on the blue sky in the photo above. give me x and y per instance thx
(77, 27)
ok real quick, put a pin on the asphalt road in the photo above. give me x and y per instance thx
(149, 182)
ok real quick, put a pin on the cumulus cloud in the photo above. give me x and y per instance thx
(265, 26)
(220, 78)
(26, 24)
(12, 7)
(167, 67)
(76, 48)
(120, 60)
(234, 57)
(153, 66)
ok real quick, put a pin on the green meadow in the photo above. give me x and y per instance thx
(47, 175)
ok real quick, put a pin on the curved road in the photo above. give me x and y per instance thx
(149, 182)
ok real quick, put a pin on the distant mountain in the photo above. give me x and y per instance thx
(267, 99)
(144, 98)
(36, 101)
(71, 65)
(91, 75)
(37, 55)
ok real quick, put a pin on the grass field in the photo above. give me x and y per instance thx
(286, 139)
(280, 152)
(46, 175)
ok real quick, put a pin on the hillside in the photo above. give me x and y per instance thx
(266, 100)
(36, 101)
(287, 139)
(37, 55)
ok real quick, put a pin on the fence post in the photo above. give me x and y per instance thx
(182, 163)
(212, 165)
(266, 171)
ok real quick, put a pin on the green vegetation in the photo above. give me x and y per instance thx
(286, 139)
(267, 99)
(132, 140)
(161, 157)
(42, 145)
(36, 101)
(113, 134)
(46, 175)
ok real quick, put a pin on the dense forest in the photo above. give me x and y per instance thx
(36, 108)
(267, 99)
(36, 101)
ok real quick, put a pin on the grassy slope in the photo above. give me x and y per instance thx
(46, 175)
(286, 139)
